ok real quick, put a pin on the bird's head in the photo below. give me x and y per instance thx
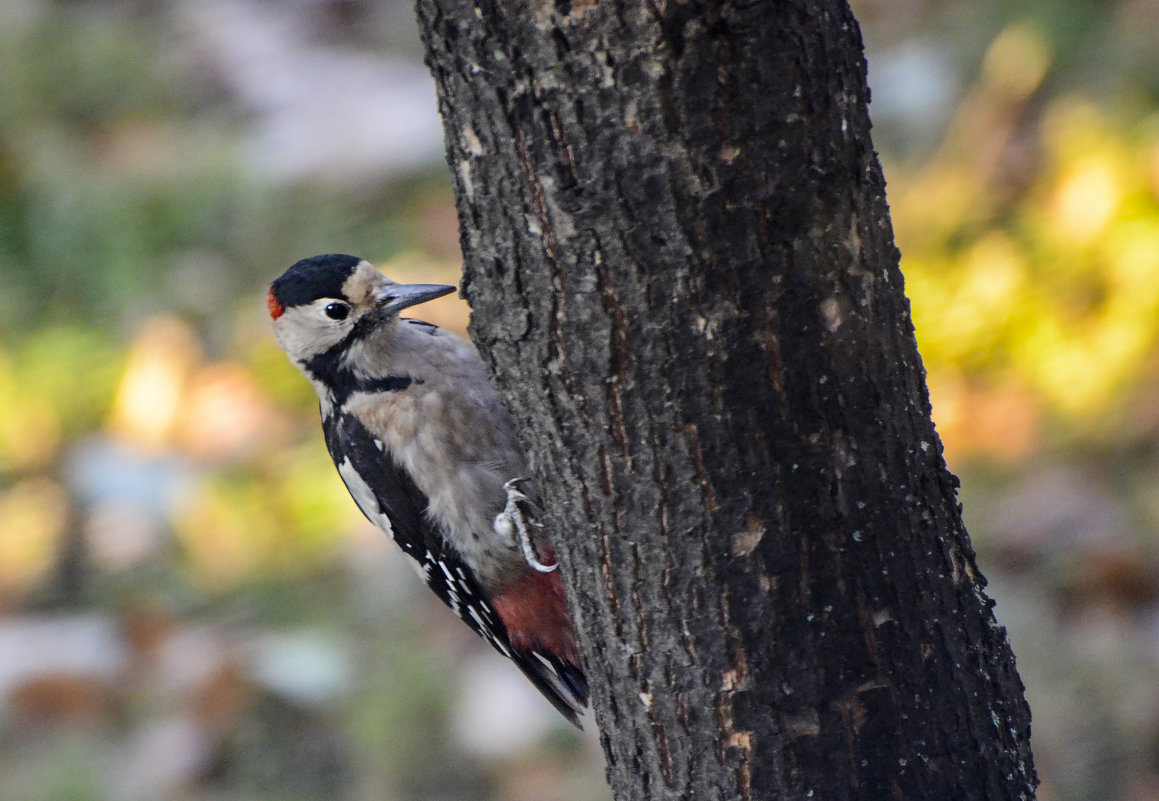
(330, 301)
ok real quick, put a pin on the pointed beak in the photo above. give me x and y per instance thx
(394, 298)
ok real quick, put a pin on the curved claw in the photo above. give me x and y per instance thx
(533, 558)
(511, 487)
(512, 517)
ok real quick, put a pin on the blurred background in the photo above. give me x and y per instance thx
(190, 605)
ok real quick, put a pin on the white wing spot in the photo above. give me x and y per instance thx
(452, 590)
(363, 495)
(486, 629)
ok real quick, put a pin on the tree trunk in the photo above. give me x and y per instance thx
(682, 270)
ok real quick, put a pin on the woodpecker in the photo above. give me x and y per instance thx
(428, 453)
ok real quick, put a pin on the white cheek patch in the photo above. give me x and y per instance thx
(305, 331)
(363, 495)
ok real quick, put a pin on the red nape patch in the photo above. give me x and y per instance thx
(276, 309)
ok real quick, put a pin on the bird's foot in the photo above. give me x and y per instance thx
(512, 527)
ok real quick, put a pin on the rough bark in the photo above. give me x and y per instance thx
(679, 256)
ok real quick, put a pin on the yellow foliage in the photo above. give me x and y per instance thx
(961, 309)
(150, 394)
(29, 426)
(286, 515)
(1054, 293)
(33, 515)
(1016, 63)
(1085, 201)
(226, 532)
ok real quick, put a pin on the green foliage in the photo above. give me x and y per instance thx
(64, 772)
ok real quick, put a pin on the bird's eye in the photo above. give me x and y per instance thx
(337, 311)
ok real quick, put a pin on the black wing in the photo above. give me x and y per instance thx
(382, 489)
(390, 500)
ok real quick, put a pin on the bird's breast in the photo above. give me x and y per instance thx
(454, 457)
